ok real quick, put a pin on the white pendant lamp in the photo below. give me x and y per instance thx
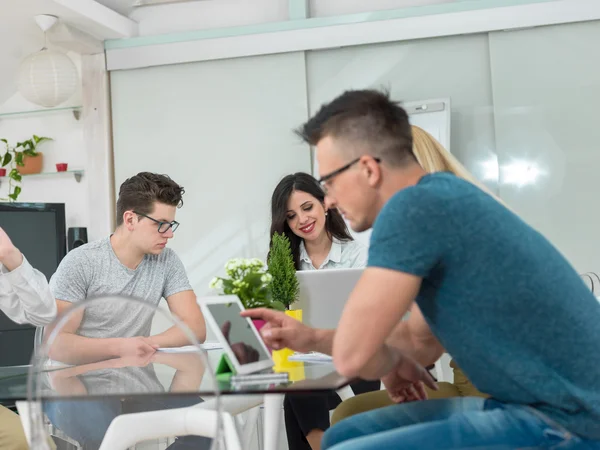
(48, 77)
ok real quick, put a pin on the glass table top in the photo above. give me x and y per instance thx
(181, 374)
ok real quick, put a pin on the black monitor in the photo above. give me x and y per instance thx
(39, 231)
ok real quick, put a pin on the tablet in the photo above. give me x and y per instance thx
(240, 339)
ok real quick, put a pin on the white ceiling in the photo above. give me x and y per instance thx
(125, 7)
(20, 36)
(121, 6)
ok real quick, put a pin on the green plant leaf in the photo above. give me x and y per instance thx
(5, 141)
(19, 159)
(15, 193)
(39, 140)
(15, 175)
(7, 159)
(277, 306)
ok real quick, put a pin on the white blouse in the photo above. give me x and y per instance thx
(343, 255)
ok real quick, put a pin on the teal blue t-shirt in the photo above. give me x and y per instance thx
(507, 306)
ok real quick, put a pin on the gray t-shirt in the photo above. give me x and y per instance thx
(126, 381)
(93, 270)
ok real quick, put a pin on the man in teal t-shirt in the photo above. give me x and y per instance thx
(481, 284)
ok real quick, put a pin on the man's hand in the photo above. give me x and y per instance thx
(407, 381)
(135, 347)
(282, 331)
(10, 256)
(134, 361)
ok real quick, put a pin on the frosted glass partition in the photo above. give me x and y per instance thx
(223, 130)
(454, 67)
(546, 94)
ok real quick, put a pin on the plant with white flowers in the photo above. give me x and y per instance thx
(249, 280)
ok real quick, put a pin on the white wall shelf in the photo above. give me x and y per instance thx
(75, 110)
(76, 173)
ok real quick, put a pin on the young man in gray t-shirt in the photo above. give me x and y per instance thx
(134, 262)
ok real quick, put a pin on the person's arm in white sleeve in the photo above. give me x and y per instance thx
(25, 296)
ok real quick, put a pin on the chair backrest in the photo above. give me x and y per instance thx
(80, 382)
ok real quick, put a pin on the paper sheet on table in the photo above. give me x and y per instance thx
(191, 348)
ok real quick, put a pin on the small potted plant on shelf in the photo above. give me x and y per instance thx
(21, 159)
(249, 280)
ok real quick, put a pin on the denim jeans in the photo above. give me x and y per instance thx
(455, 423)
(86, 421)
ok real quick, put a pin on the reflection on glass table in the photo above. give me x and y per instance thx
(159, 374)
(81, 401)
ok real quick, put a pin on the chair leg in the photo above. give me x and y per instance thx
(125, 430)
(250, 425)
(345, 393)
(272, 422)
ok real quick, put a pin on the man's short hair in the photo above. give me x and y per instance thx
(140, 192)
(368, 121)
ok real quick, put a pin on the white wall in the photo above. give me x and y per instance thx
(223, 130)
(67, 146)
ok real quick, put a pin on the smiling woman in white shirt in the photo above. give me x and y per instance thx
(25, 298)
(319, 239)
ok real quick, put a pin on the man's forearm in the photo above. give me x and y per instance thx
(380, 364)
(175, 337)
(423, 351)
(70, 348)
(12, 259)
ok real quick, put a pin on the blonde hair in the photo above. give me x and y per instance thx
(433, 157)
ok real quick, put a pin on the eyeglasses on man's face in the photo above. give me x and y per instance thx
(163, 227)
(325, 180)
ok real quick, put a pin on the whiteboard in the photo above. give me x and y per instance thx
(431, 115)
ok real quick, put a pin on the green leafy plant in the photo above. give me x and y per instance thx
(249, 280)
(284, 287)
(13, 157)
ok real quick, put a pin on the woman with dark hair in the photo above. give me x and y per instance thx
(319, 239)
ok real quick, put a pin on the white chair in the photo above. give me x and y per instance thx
(52, 384)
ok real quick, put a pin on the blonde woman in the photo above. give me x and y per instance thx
(433, 157)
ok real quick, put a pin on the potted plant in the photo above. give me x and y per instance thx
(249, 280)
(284, 287)
(21, 159)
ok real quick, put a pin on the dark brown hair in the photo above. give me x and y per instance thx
(140, 192)
(334, 222)
(367, 118)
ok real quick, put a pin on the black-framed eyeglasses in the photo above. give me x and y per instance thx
(325, 178)
(163, 227)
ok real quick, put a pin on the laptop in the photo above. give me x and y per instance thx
(323, 295)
